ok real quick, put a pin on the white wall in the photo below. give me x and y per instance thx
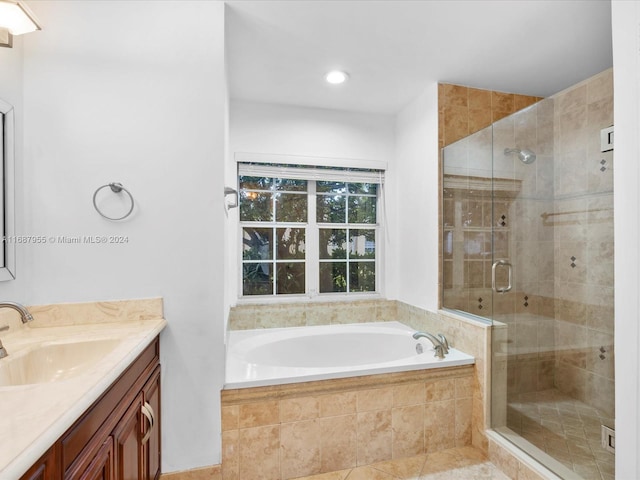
(132, 92)
(285, 130)
(408, 142)
(268, 128)
(626, 68)
(415, 186)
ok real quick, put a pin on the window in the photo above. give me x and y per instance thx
(306, 235)
(346, 217)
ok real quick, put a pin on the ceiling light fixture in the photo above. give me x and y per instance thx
(336, 77)
(16, 19)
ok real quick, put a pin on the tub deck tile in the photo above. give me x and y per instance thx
(336, 385)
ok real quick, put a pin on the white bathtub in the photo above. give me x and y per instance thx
(290, 355)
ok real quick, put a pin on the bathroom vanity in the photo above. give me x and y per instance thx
(88, 405)
(118, 437)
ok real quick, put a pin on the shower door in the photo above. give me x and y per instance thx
(494, 190)
(522, 221)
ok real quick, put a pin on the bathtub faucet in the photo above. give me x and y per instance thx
(438, 346)
(445, 343)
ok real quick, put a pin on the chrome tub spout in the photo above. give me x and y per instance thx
(438, 346)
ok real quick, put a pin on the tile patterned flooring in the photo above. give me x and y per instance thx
(565, 428)
(465, 463)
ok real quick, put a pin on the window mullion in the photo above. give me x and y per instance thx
(274, 236)
(348, 238)
(348, 253)
(313, 239)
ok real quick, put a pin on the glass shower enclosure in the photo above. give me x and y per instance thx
(528, 245)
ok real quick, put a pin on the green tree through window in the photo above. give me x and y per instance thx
(280, 217)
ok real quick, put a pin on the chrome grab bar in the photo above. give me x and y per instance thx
(494, 267)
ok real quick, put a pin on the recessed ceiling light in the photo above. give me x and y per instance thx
(336, 77)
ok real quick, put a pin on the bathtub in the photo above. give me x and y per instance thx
(278, 356)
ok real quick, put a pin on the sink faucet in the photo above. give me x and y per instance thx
(438, 346)
(3, 351)
(24, 313)
(25, 316)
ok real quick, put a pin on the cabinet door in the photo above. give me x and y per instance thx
(151, 393)
(101, 467)
(43, 469)
(127, 437)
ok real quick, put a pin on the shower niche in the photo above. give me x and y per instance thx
(527, 244)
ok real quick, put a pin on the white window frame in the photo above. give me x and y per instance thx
(312, 227)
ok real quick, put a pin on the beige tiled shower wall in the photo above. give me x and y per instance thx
(465, 110)
(289, 431)
(584, 248)
(560, 320)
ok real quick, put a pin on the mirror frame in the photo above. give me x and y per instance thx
(7, 221)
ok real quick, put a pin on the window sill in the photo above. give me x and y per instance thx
(324, 298)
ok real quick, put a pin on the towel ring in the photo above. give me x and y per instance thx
(115, 188)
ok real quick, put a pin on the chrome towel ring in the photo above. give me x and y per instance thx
(116, 187)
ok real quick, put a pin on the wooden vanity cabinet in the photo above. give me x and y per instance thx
(129, 448)
(118, 437)
(44, 468)
(151, 454)
(101, 466)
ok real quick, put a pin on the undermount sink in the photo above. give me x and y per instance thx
(53, 362)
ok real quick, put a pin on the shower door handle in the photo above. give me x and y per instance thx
(494, 267)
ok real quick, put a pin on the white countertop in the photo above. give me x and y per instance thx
(33, 417)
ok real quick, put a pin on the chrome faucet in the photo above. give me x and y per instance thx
(438, 346)
(445, 343)
(3, 351)
(25, 316)
(24, 313)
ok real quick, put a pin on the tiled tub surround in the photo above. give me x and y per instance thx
(250, 316)
(40, 413)
(466, 335)
(289, 431)
(471, 337)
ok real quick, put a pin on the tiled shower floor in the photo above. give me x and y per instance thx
(466, 463)
(565, 428)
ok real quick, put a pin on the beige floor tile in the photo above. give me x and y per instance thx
(404, 468)
(465, 463)
(369, 473)
(440, 462)
(340, 475)
(480, 471)
(571, 436)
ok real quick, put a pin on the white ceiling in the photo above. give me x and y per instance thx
(279, 51)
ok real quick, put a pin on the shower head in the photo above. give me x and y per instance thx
(524, 155)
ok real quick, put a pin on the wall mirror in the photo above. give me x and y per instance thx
(7, 214)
